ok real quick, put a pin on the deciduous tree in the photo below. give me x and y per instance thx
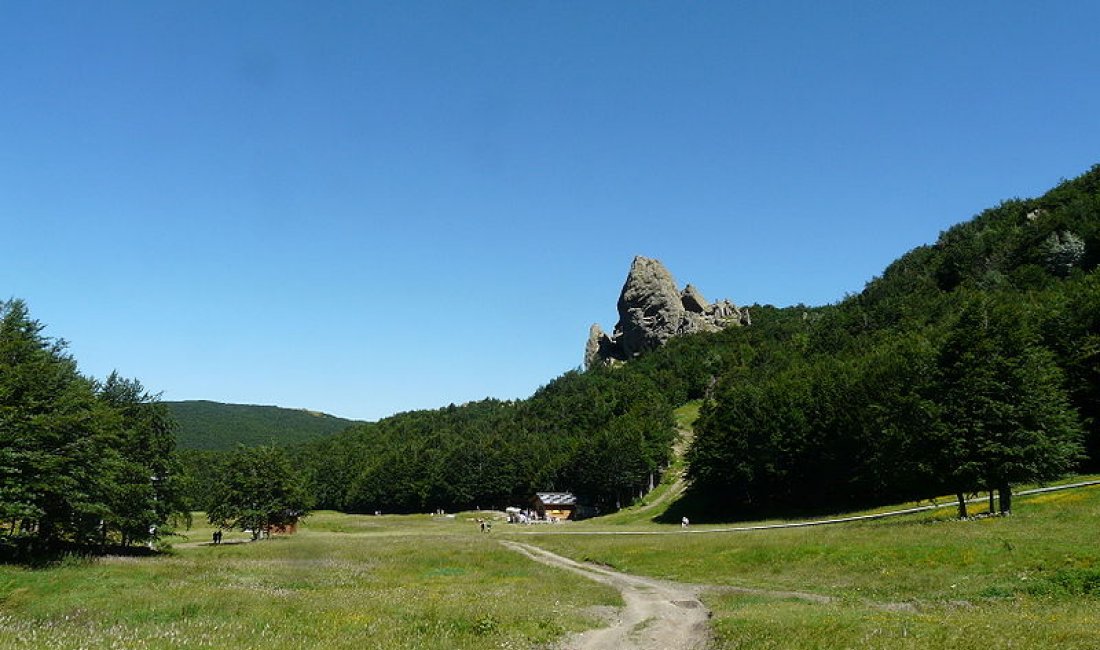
(258, 490)
(1003, 403)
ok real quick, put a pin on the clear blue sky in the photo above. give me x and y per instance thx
(366, 207)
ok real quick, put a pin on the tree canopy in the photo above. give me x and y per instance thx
(970, 364)
(257, 489)
(82, 462)
(603, 434)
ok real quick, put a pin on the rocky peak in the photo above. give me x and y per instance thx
(652, 311)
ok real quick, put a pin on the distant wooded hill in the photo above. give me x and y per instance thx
(217, 426)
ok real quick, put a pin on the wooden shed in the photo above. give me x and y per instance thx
(555, 505)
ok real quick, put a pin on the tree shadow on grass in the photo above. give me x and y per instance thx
(30, 553)
(708, 508)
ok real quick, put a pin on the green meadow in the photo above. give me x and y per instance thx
(927, 580)
(341, 582)
(1031, 580)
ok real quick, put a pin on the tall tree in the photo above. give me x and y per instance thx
(1002, 399)
(49, 453)
(80, 462)
(258, 490)
(144, 491)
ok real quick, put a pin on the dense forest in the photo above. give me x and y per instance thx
(605, 435)
(970, 364)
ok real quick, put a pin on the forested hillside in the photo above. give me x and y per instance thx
(972, 363)
(217, 426)
(605, 435)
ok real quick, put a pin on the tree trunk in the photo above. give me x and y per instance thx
(45, 532)
(962, 505)
(991, 510)
(1006, 499)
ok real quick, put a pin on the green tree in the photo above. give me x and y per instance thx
(142, 486)
(260, 489)
(1002, 401)
(1072, 328)
(50, 456)
(81, 462)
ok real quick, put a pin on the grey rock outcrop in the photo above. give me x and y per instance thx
(652, 311)
(600, 348)
(694, 301)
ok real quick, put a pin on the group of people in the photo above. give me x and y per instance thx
(517, 516)
(486, 525)
(217, 537)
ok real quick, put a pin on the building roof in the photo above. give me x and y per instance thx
(556, 498)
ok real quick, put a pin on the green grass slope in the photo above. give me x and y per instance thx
(656, 504)
(927, 580)
(217, 426)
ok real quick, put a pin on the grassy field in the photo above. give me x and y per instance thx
(341, 582)
(1031, 580)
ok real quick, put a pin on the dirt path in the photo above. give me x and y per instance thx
(657, 615)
